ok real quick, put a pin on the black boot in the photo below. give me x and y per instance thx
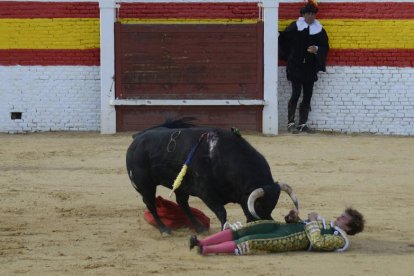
(193, 241)
(303, 118)
(291, 127)
(304, 128)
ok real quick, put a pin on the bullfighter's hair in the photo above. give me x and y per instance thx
(357, 222)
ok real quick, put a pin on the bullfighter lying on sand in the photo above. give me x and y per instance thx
(262, 236)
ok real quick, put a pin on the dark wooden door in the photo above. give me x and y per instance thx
(189, 61)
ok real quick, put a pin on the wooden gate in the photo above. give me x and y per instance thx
(210, 71)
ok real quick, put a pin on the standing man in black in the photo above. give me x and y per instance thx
(304, 45)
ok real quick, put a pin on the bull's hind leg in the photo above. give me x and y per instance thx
(182, 200)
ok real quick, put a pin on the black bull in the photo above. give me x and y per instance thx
(225, 168)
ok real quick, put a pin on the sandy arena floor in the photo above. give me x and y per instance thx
(67, 207)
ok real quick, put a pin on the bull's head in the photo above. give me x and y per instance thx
(262, 201)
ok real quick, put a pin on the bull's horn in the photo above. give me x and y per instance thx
(287, 189)
(259, 192)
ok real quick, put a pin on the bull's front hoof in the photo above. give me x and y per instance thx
(165, 232)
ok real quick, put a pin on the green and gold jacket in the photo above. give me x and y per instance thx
(326, 237)
(312, 236)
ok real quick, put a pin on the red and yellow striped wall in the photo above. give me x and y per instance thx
(67, 33)
(49, 33)
(364, 33)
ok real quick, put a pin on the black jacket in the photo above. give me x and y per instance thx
(293, 44)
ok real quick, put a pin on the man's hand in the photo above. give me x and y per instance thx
(292, 217)
(313, 216)
(313, 49)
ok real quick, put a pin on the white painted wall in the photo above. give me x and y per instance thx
(346, 99)
(358, 99)
(107, 62)
(51, 98)
(270, 113)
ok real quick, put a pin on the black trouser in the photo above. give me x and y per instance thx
(304, 105)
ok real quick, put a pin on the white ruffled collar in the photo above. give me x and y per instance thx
(314, 28)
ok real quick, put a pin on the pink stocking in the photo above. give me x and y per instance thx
(223, 236)
(224, 247)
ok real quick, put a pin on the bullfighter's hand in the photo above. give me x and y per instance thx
(292, 217)
(313, 216)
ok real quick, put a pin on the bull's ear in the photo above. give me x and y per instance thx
(236, 131)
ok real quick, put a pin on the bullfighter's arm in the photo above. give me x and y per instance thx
(326, 242)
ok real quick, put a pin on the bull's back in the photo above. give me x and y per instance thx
(160, 153)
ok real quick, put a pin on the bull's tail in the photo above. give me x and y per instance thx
(287, 189)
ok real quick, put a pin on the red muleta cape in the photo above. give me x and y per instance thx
(172, 215)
